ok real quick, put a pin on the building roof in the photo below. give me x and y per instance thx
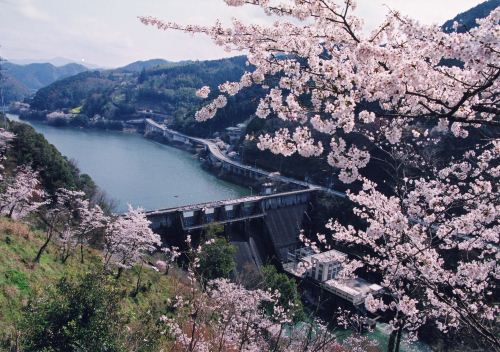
(354, 287)
(328, 256)
(305, 260)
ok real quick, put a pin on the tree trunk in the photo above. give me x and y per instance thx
(192, 343)
(120, 271)
(65, 257)
(81, 253)
(398, 338)
(46, 243)
(276, 344)
(11, 212)
(107, 258)
(136, 291)
(391, 343)
(395, 339)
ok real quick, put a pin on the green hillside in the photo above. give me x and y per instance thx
(22, 281)
(36, 76)
(163, 87)
(20, 81)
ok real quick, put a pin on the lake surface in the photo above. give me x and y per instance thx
(135, 170)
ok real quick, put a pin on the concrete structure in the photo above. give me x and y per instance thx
(323, 268)
(268, 188)
(261, 227)
(197, 216)
(320, 266)
(151, 126)
(154, 128)
(353, 290)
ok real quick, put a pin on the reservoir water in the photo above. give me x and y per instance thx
(135, 170)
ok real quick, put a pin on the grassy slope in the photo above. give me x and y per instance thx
(20, 280)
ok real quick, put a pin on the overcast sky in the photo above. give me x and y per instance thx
(107, 32)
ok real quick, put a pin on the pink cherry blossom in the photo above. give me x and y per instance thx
(323, 71)
(203, 92)
(128, 238)
(23, 195)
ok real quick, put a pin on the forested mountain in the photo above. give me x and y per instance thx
(69, 92)
(36, 76)
(21, 80)
(13, 90)
(138, 66)
(467, 19)
(156, 85)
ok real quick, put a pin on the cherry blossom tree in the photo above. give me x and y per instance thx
(224, 316)
(22, 195)
(5, 138)
(217, 315)
(86, 220)
(171, 254)
(128, 238)
(328, 61)
(228, 317)
(63, 219)
(405, 88)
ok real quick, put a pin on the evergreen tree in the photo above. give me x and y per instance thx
(77, 315)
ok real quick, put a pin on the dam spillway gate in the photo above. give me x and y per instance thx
(261, 228)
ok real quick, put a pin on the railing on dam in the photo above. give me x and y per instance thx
(226, 211)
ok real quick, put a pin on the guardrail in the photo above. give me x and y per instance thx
(221, 157)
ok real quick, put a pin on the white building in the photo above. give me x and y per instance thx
(324, 268)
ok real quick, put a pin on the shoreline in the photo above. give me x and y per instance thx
(212, 161)
(197, 153)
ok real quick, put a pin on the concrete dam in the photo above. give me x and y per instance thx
(262, 228)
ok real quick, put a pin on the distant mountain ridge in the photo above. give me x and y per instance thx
(56, 61)
(138, 66)
(104, 99)
(22, 80)
(13, 90)
(36, 76)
